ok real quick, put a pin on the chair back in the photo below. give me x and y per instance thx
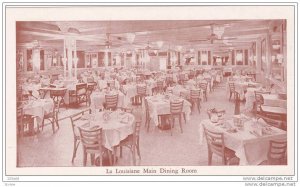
(259, 98)
(91, 139)
(215, 142)
(111, 84)
(81, 89)
(176, 107)
(231, 87)
(195, 94)
(90, 79)
(111, 101)
(137, 129)
(203, 86)
(277, 151)
(74, 119)
(160, 84)
(122, 90)
(141, 90)
(19, 115)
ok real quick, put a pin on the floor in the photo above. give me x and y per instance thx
(158, 148)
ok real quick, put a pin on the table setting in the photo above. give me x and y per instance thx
(116, 125)
(247, 136)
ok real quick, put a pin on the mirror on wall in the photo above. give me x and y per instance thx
(277, 53)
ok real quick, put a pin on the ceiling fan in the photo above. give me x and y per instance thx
(108, 44)
(216, 33)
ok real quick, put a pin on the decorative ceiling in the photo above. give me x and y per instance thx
(218, 35)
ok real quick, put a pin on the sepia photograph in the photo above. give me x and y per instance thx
(125, 91)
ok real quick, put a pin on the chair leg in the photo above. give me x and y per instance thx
(53, 125)
(198, 105)
(133, 155)
(180, 124)
(110, 157)
(209, 157)
(121, 151)
(92, 159)
(138, 148)
(84, 157)
(184, 117)
(76, 144)
(148, 124)
(171, 125)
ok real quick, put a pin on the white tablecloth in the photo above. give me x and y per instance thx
(98, 99)
(38, 108)
(116, 129)
(158, 105)
(249, 148)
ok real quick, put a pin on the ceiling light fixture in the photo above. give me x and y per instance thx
(219, 31)
(130, 37)
(160, 44)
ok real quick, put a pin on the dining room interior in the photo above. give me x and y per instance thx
(151, 93)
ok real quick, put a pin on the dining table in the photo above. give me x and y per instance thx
(98, 99)
(160, 105)
(38, 108)
(249, 139)
(242, 86)
(116, 126)
(183, 91)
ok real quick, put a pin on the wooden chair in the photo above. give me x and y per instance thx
(215, 144)
(111, 84)
(176, 108)
(76, 135)
(231, 90)
(23, 121)
(132, 142)
(169, 81)
(52, 117)
(91, 141)
(79, 95)
(259, 100)
(274, 120)
(195, 98)
(58, 96)
(141, 93)
(111, 102)
(203, 86)
(90, 88)
(147, 118)
(208, 80)
(277, 152)
(159, 87)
